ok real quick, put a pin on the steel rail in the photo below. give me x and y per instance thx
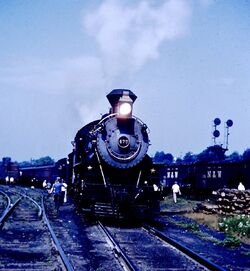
(40, 213)
(64, 258)
(198, 258)
(8, 205)
(117, 250)
(8, 211)
(7, 197)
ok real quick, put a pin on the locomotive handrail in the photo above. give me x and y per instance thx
(143, 123)
(100, 165)
(114, 114)
(108, 116)
(138, 179)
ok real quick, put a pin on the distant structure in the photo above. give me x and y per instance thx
(8, 169)
(216, 132)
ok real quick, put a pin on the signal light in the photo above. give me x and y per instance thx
(216, 133)
(229, 123)
(217, 121)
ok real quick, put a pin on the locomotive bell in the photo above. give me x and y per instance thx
(122, 101)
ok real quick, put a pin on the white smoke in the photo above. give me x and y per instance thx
(131, 35)
(128, 35)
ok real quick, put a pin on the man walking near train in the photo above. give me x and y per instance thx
(176, 190)
(57, 191)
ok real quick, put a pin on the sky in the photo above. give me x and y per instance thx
(188, 62)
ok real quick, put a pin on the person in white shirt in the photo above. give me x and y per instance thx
(64, 191)
(176, 190)
(241, 187)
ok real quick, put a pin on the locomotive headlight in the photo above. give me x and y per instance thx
(125, 109)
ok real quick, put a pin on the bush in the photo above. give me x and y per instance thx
(236, 225)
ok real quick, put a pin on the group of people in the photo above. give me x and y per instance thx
(176, 190)
(59, 190)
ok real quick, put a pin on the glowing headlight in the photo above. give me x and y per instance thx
(125, 109)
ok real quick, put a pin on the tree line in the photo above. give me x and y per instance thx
(214, 153)
(43, 161)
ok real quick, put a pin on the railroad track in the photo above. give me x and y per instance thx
(145, 248)
(196, 257)
(4, 204)
(27, 244)
(27, 241)
(81, 242)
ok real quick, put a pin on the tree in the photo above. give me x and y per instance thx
(246, 155)
(161, 157)
(189, 157)
(168, 158)
(212, 154)
(234, 157)
(43, 161)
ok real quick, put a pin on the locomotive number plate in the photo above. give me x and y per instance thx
(123, 142)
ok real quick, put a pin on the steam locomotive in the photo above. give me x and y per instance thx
(112, 173)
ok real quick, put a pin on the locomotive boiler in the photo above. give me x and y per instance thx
(112, 172)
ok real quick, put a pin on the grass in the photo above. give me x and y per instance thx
(236, 228)
(183, 205)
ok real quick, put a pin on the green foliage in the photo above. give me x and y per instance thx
(43, 161)
(161, 157)
(189, 157)
(230, 241)
(234, 157)
(246, 155)
(191, 227)
(212, 153)
(215, 153)
(236, 225)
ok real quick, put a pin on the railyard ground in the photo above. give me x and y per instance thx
(186, 207)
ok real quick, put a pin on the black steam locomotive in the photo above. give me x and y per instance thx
(112, 173)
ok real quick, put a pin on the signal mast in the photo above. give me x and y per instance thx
(216, 132)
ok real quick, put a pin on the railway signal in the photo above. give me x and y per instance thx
(216, 132)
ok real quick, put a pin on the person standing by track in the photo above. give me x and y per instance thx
(176, 190)
(64, 192)
(57, 191)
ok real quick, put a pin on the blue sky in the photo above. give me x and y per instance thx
(188, 61)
